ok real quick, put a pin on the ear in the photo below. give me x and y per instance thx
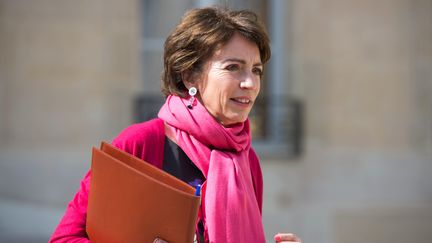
(188, 79)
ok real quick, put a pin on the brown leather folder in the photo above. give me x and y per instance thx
(133, 201)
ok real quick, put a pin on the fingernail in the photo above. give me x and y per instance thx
(278, 238)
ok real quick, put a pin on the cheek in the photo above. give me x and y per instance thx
(258, 86)
(210, 96)
(218, 88)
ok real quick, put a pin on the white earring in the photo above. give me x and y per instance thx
(192, 93)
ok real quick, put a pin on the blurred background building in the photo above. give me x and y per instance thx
(343, 126)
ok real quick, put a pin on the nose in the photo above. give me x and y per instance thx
(250, 81)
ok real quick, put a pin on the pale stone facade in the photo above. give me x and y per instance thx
(69, 66)
(364, 71)
(69, 71)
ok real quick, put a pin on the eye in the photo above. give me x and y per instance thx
(257, 71)
(232, 67)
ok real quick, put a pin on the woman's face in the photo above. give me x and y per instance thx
(230, 81)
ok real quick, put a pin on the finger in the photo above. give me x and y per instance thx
(286, 237)
(158, 240)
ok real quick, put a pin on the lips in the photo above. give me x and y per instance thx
(242, 100)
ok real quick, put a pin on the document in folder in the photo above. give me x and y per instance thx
(133, 201)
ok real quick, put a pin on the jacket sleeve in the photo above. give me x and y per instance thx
(144, 140)
(72, 227)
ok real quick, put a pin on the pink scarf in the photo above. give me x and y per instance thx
(231, 200)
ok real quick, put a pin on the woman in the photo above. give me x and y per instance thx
(213, 65)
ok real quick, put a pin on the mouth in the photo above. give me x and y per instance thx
(242, 101)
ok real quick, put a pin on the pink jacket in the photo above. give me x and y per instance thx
(145, 141)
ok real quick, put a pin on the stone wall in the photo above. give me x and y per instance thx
(68, 75)
(68, 70)
(363, 70)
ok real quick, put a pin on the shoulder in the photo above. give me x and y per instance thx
(137, 135)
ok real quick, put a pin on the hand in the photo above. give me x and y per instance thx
(159, 240)
(286, 238)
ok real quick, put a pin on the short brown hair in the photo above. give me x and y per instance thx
(199, 34)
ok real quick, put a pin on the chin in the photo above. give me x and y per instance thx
(234, 121)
